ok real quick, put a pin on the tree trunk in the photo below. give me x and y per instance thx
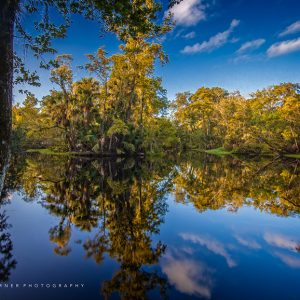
(4, 164)
(8, 9)
(131, 101)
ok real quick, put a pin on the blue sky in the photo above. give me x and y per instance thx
(238, 45)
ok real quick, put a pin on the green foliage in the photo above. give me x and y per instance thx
(117, 127)
(127, 19)
(276, 115)
(218, 151)
(47, 152)
(268, 122)
(129, 147)
(160, 134)
(114, 114)
(124, 109)
(196, 115)
(125, 115)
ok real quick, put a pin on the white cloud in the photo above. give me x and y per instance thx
(284, 47)
(212, 245)
(186, 35)
(234, 40)
(214, 42)
(188, 276)
(188, 12)
(293, 28)
(190, 35)
(179, 33)
(242, 58)
(251, 45)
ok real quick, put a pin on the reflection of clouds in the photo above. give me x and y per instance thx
(248, 242)
(284, 242)
(289, 260)
(212, 245)
(280, 241)
(188, 275)
(188, 250)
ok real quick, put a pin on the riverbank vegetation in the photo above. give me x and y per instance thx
(120, 107)
(113, 114)
(118, 111)
(265, 123)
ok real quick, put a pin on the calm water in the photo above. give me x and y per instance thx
(196, 228)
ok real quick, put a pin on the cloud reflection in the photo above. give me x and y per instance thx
(248, 243)
(289, 260)
(188, 275)
(280, 241)
(211, 244)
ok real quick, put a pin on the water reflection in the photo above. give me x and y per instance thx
(124, 200)
(189, 276)
(289, 260)
(280, 241)
(7, 260)
(123, 205)
(247, 242)
(212, 245)
(271, 186)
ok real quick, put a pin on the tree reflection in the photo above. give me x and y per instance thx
(123, 204)
(214, 183)
(124, 200)
(7, 261)
(134, 215)
(5, 155)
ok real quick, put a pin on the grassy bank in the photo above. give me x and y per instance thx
(219, 151)
(83, 154)
(222, 152)
(297, 155)
(47, 152)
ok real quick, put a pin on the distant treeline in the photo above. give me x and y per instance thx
(123, 110)
(267, 122)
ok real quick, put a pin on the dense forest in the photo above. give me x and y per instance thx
(267, 122)
(119, 111)
(114, 114)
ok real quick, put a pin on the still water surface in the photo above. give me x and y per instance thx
(195, 228)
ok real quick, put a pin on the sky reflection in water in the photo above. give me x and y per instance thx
(207, 227)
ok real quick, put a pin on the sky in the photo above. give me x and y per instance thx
(240, 45)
